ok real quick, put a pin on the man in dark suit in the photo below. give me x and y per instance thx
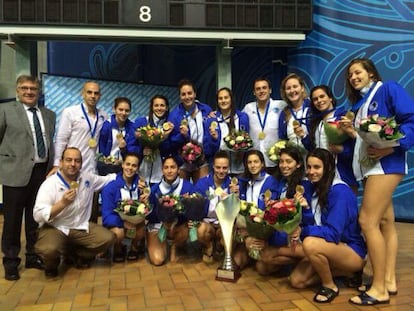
(26, 154)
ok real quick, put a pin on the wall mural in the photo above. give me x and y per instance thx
(343, 30)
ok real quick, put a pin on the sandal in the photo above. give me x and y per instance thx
(367, 300)
(326, 292)
(365, 287)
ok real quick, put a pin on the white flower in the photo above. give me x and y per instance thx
(141, 208)
(239, 139)
(273, 157)
(375, 128)
(232, 142)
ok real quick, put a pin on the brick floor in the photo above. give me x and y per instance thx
(186, 285)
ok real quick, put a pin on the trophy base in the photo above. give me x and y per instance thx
(227, 275)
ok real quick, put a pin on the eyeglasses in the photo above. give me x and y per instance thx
(27, 88)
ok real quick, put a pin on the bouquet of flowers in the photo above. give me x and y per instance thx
(108, 164)
(133, 211)
(284, 215)
(194, 210)
(169, 207)
(379, 132)
(151, 137)
(246, 209)
(192, 153)
(274, 152)
(334, 133)
(238, 141)
(258, 228)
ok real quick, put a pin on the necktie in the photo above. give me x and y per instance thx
(41, 150)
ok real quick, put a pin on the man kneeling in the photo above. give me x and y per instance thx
(63, 208)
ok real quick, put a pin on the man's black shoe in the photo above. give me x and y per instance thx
(84, 263)
(11, 274)
(51, 273)
(34, 263)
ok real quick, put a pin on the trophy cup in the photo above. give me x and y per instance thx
(227, 211)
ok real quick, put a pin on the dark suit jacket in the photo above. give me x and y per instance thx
(17, 143)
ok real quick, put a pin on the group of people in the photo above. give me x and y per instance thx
(334, 236)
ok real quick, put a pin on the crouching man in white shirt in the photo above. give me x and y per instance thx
(63, 208)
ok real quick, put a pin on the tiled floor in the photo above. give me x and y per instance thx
(186, 285)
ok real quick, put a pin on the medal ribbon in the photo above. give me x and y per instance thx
(191, 111)
(359, 103)
(63, 180)
(262, 124)
(92, 131)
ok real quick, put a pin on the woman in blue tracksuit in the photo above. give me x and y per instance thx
(323, 109)
(177, 231)
(117, 132)
(159, 108)
(227, 119)
(290, 174)
(370, 96)
(332, 240)
(252, 187)
(189, 125)
(126, 186)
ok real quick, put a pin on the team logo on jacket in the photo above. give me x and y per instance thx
(373, 106)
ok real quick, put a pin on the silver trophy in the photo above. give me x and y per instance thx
(227, 211)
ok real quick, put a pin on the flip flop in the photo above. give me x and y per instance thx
(367, 300)
(364, 287)
(327, 292)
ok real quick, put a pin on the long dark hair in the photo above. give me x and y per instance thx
(368, 65)
(323, 186)
(247, 173)
(297, 176)
(232, 108)
(317, 116)
(151, 108)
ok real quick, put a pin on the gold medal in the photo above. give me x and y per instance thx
(300, 189)
(119, 136)
(166, 126)
(146, 190)
(74, 185)
(234, 181)
(262, 135)
(350, 115)
(268, 194)
(92, 143)
(295, 123)
(184, 122)
(213, 125)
